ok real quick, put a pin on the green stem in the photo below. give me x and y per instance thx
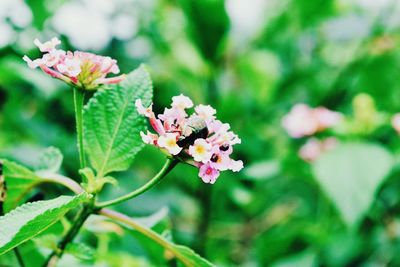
(19, 257)
(79, 96)
(168, 166)
(62, 180)
(69, 237)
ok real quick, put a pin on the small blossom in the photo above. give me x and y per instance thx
(236, 165)
(208, 174)
(300, 121)
(148, 112)
(168, 141)
(53, 57)
(200, 150)
(327, 118)
(396, 122)
(80, 69)
(70, 67)
(225, 149)
(149, 138)
(47, 46)
(220, 161)
(205, 111)
(198, 139)
(313, 149)
(181, 102)
(32, 63)
(305, 121)
(172, 114)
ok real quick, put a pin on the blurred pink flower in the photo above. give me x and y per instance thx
(199, 139)
(396, 122)
(80, 69)
(313, 148)
(303, 120)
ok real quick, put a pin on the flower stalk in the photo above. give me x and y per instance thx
(168, 166)
(79, 96)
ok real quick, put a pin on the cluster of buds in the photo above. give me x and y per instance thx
(81, 69)
(303, 120)
(314, 147)
(199, 139)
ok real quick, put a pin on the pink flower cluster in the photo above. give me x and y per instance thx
(198, 139)
(80, 69)
(314, 147)
(303, 120)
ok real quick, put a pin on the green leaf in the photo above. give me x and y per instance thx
(50, 160)
(190, 258)
(208, 22)
(158, 222)
(351, 174)
(20, 182)
(93, 184)
(29, 220)
(81, 251)
(184, 254)
(112, 125)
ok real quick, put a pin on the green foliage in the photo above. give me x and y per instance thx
(188, 257)
(20, 181)
(112, 124)
(81, 251)
(91, 184)
(29, 220)
(351, 175)
(206, 31)
(50, 160)
(184, 254)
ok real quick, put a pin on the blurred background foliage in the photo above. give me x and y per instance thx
(252, 60)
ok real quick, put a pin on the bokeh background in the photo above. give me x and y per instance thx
(252, 60)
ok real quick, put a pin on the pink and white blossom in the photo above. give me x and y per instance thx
(303, 120)
(168, 141)
(47, 46)
(181, 102)
(70, 67)
(80, 69)
(198, 139)
(200, 150)
(208, 174)
(236, 165)
(206, 112)
(220, 161)
(396, 122)
(313, 148)
(148, 112)
(327, 118)
(149, 138)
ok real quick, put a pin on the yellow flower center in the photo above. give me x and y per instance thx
(171, 142)
(199, 149)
